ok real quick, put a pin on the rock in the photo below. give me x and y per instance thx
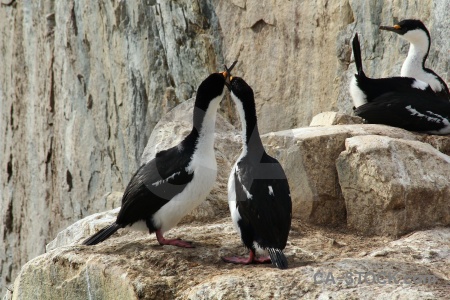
(227, 146)
(84, 228)
(135, 267)
(308, 156)
(393, 186)
(441, 143)
(334, 118)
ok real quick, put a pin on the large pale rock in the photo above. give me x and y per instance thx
(80, 230)
(393, 186)
(334, 118)
(308, 156)
(133, 266)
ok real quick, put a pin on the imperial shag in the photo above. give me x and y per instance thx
(364, 89)
(258, 190)
(178, 179)
(402, 102)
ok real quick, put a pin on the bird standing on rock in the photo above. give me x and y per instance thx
(415, 32)
(258, 190)
(177, 180)
(365, 90)
(402, 102)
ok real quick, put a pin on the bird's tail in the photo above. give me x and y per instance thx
(357, 55)
(102, 235)
(278, 259)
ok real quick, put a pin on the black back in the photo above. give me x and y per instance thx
(415, 111)
(156, 183)
(266, 218)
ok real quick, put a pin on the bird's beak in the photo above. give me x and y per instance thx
(227, 74)
(395, 28)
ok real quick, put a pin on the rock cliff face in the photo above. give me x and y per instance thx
(82, 86)
(83, 83)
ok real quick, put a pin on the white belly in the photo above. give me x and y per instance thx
(192, 196)
(235, 216)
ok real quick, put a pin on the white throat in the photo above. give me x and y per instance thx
(419, 44)
(241, 112)
(204, 155)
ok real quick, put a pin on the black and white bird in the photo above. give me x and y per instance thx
(258, 190)
(415, 32)
(178, 179)
(364, 89)
(402, 102)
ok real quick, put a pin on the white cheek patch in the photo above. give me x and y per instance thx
(419, 84)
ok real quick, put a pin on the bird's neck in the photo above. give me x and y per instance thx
(205, 125)
(250, 133)
(417, 55)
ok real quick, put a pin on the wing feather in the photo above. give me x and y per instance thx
(154, 184)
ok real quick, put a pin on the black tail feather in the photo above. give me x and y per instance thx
(278, 259)
(102, 235)
(357, 55)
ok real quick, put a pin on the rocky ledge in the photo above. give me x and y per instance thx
(324, 264)
(382, 193)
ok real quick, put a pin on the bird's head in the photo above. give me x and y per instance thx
(240, 89)
(213, 87)
(414, 31)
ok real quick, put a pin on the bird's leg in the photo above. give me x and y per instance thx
(247, 260)
(174, 242)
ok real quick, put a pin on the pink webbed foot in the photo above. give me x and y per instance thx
(247, 260)
(174, 242)
(262, 260)
(237, 260)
